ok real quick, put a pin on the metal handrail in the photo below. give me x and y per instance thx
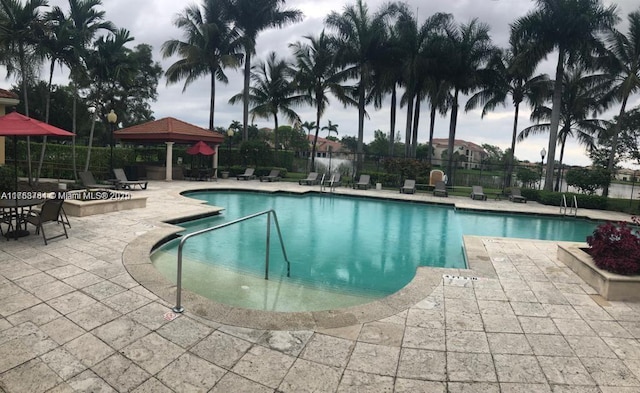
(178, 307)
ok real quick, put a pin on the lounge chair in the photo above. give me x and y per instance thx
(409, 187)
(311, 180)
(478, 193)
(364, 182)
(333, 181)
(89, 181)
(440, 189)
(274, 175)
(123, 182)
(516, 196)
(247, 175)
(50, 212)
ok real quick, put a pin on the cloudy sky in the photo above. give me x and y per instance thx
(151, 22)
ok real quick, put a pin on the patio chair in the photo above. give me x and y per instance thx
(89, 181)
(333, 181)
(516, 196)
(478, 193)
(440, 189)
(364, 182)
(310, 180)
(247, 175)
(50, 212)
(274, 175)
(6, 218)
(126, 183)
(409, 187)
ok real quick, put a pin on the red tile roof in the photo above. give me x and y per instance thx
(168, 129)
(322, 145)
(8, 94)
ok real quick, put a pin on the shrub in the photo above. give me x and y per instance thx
(616, 248)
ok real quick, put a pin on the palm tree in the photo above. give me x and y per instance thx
(581, 98)
(469, 47)
(273, 92)
(510, 75)
(85, 22)
(210, 45)
(317, 75)
(252, 17)
(107, 65)
(623, 63)
(571, 27)
(330, 128)
(21, 30)
(361, 42)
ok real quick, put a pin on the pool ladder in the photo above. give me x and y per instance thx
(331, 186)
(178, 307)
(573, 209)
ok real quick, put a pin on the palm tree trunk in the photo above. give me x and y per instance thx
(23, 69)
(315, 140)
(361, 104)
(512, 156)
(559, 175)
(47, 106)
(245, 96)
(432, 126)
(407, 132)
(416, 121)
(555, 121)
(452, 136)
(93, 123)
(275, 137)
(614, 143)
(74, 111)
(392, 125)
(212, 100)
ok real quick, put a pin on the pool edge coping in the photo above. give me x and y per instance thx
(137, 261)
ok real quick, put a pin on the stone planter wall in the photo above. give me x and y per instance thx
(609, 285)
(120, 201)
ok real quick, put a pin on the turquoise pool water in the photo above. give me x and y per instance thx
(343, 250)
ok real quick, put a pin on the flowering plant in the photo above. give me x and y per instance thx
(615, 247)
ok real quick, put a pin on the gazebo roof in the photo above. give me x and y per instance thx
(168, 129)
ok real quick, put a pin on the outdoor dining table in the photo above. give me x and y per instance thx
(18, 210)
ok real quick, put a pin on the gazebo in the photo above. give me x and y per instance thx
(170, 131)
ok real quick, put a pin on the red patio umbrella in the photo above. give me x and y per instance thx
(15, 125)
(201, 148)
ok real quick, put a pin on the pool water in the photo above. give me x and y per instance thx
(343, 250)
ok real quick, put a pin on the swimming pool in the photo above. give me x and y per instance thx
(343, 250)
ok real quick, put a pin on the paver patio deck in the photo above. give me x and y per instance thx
(72, 318)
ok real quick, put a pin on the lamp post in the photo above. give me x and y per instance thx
(112, 118)
(230, 134)
(543, 153)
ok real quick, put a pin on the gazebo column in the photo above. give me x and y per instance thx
(169, 165)
(215, 160)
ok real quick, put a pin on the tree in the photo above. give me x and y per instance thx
(273, 92)
(361, 40)
(380, 144)
(210, 45)
(469, 47)
(588, 180)
(252, 17)
(623, 63)
(84, 21)
(330, 127)
(571, 27)
(317, 75)
(22, 29)
(581, 98)
(510, 75)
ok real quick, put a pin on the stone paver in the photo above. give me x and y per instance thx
(74, 318)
